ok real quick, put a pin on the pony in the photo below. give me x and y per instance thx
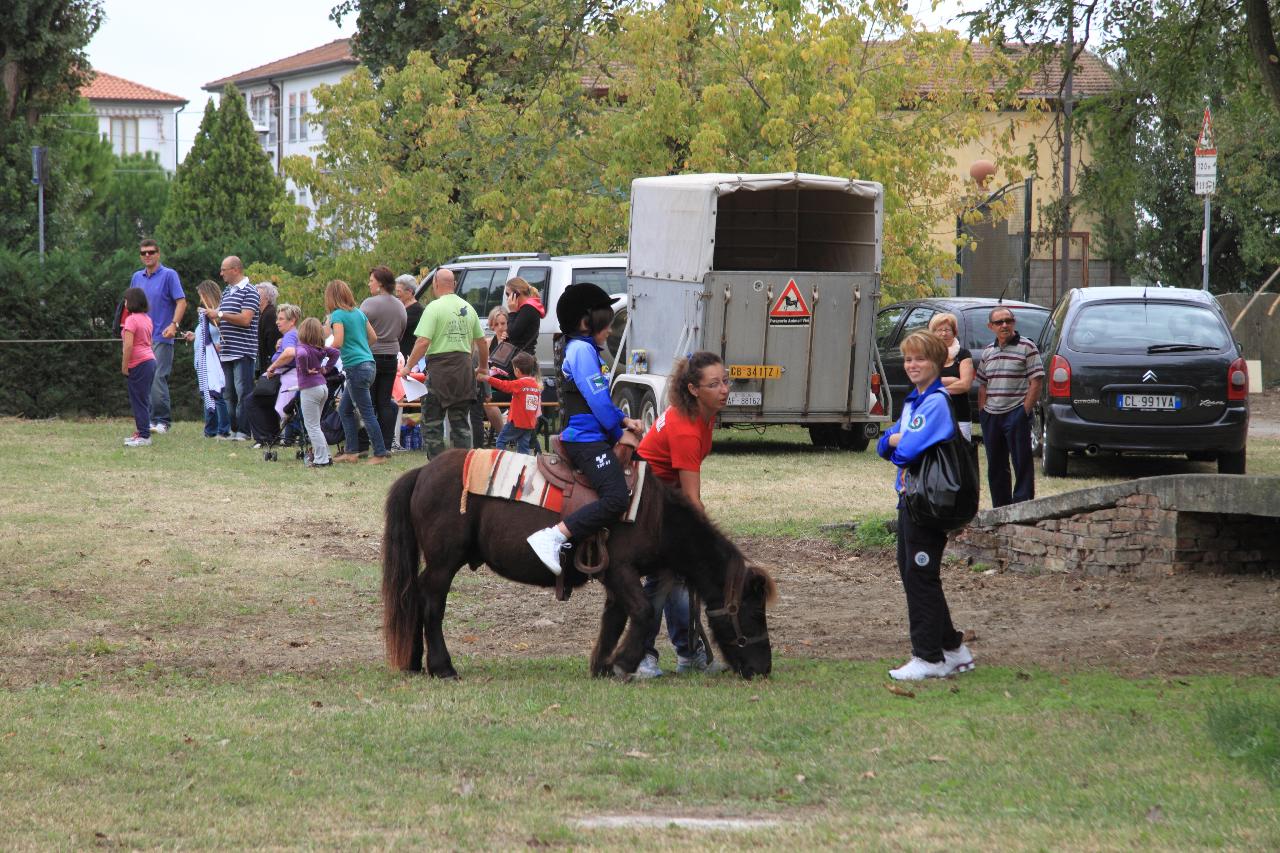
(425, 523)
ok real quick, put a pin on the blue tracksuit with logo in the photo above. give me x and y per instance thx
(926, 420)
(594, 425)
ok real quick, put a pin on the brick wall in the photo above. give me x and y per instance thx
(1137, 535)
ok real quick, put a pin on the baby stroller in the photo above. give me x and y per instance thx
(292, 424)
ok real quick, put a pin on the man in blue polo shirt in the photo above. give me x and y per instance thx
(166, 303)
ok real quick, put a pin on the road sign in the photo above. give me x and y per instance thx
(790, 309)
(1206, 158)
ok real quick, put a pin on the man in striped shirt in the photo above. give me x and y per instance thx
(237, 319)
(1009, 378)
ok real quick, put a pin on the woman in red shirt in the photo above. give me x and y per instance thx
(674, 448)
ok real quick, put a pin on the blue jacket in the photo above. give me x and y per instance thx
(926, 420)
(583, 367)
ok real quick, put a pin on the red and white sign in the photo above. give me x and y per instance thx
(1206, 158)
(790, 309)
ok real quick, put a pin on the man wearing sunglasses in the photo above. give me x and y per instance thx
(166, 303)
(1009, 378)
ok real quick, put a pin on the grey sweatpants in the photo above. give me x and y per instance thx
(312, 402)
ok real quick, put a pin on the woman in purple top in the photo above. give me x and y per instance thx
(313, 362)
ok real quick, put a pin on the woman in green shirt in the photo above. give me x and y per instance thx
(352, 335)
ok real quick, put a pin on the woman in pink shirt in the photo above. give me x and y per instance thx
(138, 363)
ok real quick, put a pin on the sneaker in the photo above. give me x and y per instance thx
(160, 428)
(958, 660)
(239, 436)
(136, 440)
(546, 543)
(257, 445)
(648, 668)
(918, 669)
(698, 663)
(310, 464)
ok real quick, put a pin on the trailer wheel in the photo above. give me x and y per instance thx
(824, 435)
(648, 409)
(624, 397)
(854, 439)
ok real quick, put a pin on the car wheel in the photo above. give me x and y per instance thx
(648, 409)
(854, 439)
(624, 398)
(1053, 459)
(1231, 463)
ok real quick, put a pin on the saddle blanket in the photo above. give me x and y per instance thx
(515, 477)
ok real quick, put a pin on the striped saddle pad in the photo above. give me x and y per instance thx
(515, 477)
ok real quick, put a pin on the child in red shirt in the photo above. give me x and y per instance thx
(526, 402)
(138, 363)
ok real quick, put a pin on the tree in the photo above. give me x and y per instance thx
(42, 67)
(134, 201)
(1180, 57)
(225, 189)
(428, 164)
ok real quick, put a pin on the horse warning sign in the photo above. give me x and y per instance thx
(790, 309)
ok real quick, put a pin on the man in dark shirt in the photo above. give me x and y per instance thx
(405, 287)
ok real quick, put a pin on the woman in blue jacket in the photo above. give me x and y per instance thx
(594, 424)
(937, 648)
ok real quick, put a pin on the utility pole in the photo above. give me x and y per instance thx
(1068, 60)
(39, 172)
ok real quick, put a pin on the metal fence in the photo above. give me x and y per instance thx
(994, 252)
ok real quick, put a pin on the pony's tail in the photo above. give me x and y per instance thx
(401, 599)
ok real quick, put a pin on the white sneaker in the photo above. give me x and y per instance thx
(958, 660)
(648, 668)
(546, 543)
(918, 669)
(239, 436)
(137, 441)
(160, 428)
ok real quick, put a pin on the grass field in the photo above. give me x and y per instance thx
(168, 556)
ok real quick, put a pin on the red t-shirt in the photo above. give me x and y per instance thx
(526, 399)
(676, 443)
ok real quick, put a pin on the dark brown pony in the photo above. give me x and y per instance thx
(670, 536)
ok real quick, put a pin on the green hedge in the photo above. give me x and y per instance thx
(72, 296)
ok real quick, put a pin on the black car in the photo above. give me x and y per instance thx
(896, 321)
(1141, 370)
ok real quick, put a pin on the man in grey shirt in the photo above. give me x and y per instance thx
(387, 316)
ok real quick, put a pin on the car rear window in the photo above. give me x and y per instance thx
(612, 280)
(1137, 326)
(1029, 323)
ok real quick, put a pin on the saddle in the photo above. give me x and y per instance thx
(591, 556)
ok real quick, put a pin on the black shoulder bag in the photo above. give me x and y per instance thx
(941, 489)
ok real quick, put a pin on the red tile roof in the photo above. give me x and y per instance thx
(109, 87)
(336, 52)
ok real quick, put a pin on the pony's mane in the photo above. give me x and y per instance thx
(725, 551)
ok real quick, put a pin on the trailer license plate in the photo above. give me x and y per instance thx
(745, 398)
(755, 371)
(1150, 402)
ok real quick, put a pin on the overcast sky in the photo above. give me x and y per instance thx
(179, 46)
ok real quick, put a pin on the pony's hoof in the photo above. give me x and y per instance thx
(620, 673)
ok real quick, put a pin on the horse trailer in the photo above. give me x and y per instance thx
(780, 275)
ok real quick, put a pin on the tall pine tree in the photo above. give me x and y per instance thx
(224, 190)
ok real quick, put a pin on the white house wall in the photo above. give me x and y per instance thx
(156, 127)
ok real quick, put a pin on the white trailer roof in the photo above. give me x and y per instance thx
(673, 218)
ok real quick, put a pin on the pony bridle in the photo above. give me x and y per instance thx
(732, 603)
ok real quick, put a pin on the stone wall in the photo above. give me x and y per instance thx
(1139, 533)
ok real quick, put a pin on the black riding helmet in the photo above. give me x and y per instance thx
(576, 302)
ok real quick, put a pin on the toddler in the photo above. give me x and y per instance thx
(313, 361)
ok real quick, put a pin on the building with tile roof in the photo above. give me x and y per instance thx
(137, 119)
(279, 97)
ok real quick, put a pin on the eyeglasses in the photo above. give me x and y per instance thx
(719, 383)
(146, 252)
(1007, 321)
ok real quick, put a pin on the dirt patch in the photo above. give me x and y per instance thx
(834, 604)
